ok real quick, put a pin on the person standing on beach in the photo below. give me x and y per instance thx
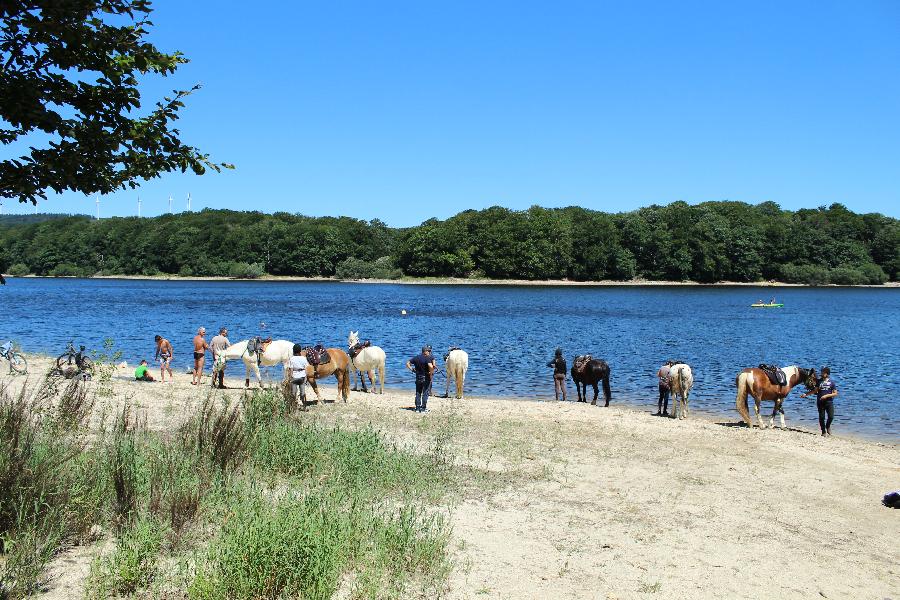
(662, 408)
(164, 356)
(298, 364)
(423, 366)
(559, 374)
(218, 345)
(825, 395)
(200, 348)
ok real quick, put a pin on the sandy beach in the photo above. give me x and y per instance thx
(591, 502)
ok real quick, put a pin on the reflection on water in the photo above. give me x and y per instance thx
(509, 332)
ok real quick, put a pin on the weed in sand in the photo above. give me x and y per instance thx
(132, 565)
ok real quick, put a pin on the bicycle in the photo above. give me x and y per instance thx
(17, 362)
(71, 358)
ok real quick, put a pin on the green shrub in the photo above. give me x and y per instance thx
(804, 273)
(847, 276)
(66, 270)
(873, 273)
(242, 270)
(19, 270)
(356, 268)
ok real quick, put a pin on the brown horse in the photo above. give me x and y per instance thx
(756, 383)
(339, 366)
(587, 370)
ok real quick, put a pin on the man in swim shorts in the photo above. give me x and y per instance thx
(200, 348)
(164, 356)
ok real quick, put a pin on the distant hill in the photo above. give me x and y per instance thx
(9, 220)
(709, 242)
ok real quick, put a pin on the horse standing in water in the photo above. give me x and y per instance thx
(681, 380)
(339, 366)
(588, 370)
(756, 383)
(365, 360)
(456, 363)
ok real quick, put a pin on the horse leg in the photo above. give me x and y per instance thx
(247, 376)
(459, 385)
(779, 408)
(759, 420)
(352, 370)
(596, 391)
(447, 389)
(362, 379)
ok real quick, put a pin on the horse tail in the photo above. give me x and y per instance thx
(741, 399)
(607, 392)
(682, 383)
(345, 386)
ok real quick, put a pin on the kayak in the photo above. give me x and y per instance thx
(758, 305)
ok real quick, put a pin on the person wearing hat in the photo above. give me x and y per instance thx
(423, 366)
(559, 374)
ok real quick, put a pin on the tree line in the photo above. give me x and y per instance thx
(709, 242)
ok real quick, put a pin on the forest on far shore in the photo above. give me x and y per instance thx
(709, 242)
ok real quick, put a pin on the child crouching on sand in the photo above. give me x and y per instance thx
(142, 373)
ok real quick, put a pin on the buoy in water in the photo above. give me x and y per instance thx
(403, 311)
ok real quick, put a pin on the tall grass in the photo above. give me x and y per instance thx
(338, 509)
(49, 484)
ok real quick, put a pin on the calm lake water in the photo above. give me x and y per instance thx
(509, 332)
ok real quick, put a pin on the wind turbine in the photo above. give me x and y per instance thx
(189, 202)
(97, 201)
(139, 207)
(170, 203)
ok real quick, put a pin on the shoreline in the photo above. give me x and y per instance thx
(456, 281)
(630, 407)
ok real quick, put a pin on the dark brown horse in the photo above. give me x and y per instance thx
(587, 370)
(756, 383)
(339, 366)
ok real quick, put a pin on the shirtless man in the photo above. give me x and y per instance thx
(164, 356)
(200, 348)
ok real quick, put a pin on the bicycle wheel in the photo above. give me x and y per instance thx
(87, 365)
(18, 363)
(65, 361)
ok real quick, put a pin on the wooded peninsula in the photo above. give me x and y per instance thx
(709, 242)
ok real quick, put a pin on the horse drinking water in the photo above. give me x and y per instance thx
(588, 370)
(456, 363)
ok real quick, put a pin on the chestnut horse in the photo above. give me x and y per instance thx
(587, 370)
(756, 383)
(339, 366)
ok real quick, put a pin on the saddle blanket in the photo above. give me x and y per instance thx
(581, 361)
(317, 355)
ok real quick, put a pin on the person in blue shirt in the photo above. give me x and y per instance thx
(825, 394)
(423, 366)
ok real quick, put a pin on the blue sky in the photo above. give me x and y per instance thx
(406, 110)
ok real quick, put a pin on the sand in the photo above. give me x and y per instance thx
(592, 502)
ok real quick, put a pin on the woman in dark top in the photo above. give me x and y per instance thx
(559, 374)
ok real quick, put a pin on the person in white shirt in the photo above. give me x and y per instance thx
(298, 366)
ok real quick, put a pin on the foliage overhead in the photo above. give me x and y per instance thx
(69, 99)
(713, 241)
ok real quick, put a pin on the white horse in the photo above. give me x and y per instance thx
(681, 380)
(367, 360)
(456, 363)
(277, 352)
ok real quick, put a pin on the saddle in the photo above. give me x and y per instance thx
(775, 375)
(317, 355)
(581, 361)
(258, 346)
(452, 348)
(358, 347)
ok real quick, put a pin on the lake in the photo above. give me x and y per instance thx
(509, 332)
